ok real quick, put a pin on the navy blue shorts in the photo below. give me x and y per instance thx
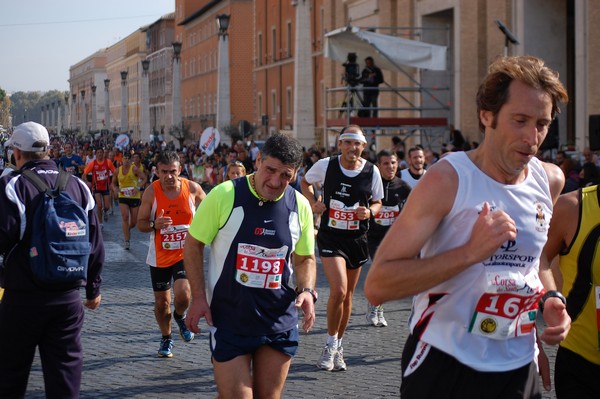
(226, 345)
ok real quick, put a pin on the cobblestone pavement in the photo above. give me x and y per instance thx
(121, 339)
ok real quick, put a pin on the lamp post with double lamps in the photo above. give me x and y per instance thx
(176, 97)
(107, 104)
(223, 97)
(94, 110)
(124, 100)
(145, 111)
(83, 112)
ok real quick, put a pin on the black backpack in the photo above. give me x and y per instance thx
(60, 235)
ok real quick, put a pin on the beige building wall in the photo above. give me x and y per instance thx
(82, 76)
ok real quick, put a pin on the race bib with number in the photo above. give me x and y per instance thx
(343, 217)
(387, 215)
(173, 237)
(260, 267)
(127, 191)
(508, 308)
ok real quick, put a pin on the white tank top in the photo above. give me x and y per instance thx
(473, 308)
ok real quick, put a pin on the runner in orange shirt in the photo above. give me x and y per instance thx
(167, 209)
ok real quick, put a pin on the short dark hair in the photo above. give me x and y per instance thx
(415, 148)
(167, 157)
(285, 148)
(385, 153)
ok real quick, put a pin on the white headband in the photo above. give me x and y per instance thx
(353, 136)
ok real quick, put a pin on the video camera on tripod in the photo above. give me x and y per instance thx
(351, 70)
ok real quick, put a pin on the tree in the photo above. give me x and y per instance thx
(27, 106)
(232, 131)
(181, 133)
(4, 110)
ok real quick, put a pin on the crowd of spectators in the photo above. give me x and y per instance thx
(580, 169)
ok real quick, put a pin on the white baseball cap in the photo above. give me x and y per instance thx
(27, 135)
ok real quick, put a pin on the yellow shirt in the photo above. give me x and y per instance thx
(128, 184)
(581, 274)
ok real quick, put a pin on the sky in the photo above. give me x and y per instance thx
(41, 39)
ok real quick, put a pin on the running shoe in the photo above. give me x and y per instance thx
(381, 322)
(372, 315)
(326, 360)
(106, 215)
(166, 344)
(338, 360)
(126, 244)
(185, 334)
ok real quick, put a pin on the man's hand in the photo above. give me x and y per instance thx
(198, 309)
(558, 321)
(318, 207)
(93, 303)
(305, 302)
(490, 231)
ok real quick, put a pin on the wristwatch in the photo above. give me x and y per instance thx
(551, 294)
(310, 290)
(152, 224)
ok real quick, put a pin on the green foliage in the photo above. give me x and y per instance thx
(27, 106)
(181, 134)
(4, 109)
(232, 131)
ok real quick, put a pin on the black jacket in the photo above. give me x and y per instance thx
(18, 200)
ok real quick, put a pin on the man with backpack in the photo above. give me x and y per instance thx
(42, 304)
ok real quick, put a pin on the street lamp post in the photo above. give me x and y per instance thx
(94, 116)
(145, 112)
(52, 125)
(83, 112)
(124, 100)
(74, 115)
(59, 119)
(106, 104)
(223, 97)
(304, 109)
(176, 115)
(66, 113)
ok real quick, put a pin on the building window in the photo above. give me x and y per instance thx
(260, 50)
(289, 106)
(323, 95)
(274, 45)
(274, 105)
(288, 50)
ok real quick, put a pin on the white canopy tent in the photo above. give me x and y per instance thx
(388, 52)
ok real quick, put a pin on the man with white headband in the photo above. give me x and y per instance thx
(352, 192)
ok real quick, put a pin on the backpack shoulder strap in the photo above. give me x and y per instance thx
(63, 179)
(36, 180)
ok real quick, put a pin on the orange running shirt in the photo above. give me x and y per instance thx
(166, 245)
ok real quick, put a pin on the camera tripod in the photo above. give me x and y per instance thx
(352, 102)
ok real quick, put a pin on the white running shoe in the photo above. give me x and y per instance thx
(372, 315)
(381, 321)
(326, 360)
(338, 360)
